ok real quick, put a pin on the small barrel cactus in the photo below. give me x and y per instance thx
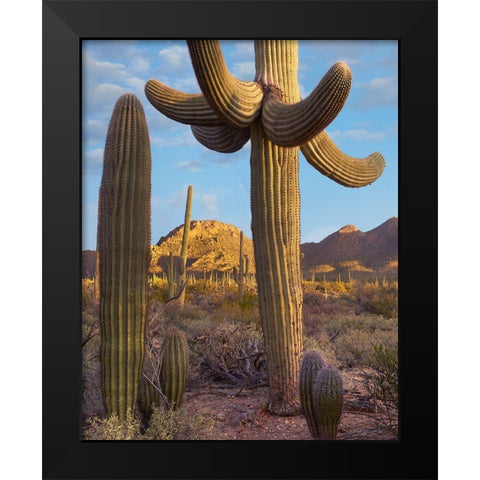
(173, 367)
(148, 397)
(328, 402)
(312, 362)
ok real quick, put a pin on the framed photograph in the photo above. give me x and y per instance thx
(240, 226)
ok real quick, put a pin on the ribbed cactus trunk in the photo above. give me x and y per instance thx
(124, 253)
(182, 261)
(275, 201)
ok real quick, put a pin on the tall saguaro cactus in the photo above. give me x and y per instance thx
(182, 261)
(123, 239)
(270, 112)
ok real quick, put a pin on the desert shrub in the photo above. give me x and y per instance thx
(355, 347)
(163, 425)
(229, 352)
(324, 346)
(111, 428)
(88, 293)
(380, 380)
(377, 298)
(177, 425)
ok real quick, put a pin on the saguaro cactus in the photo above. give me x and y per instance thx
(327, 402)
(182, 261)
(240, 275)
(312, 362)
(123, 239)
(173, 367)
(270, 112)
(181, 278)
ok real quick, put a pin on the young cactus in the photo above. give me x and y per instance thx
(312, 362)
(173, 367)
(327, 402)
(123, 240)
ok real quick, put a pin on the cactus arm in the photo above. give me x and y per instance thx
(237, 102)
(191, 109)
(291, 125)
(223, 139)
(328, 159)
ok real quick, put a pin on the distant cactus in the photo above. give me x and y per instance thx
(148, 397)
(241, 274)
(312, 362)
(270, 112)
(173, 367)
(181, 278)
(328, 402)
(123, 240)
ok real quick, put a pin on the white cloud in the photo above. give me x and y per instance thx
(244, 50)
(140, 64)
(175, 56)
(103, 95)
(244, 70)
(186, 84)
(378, 92)
(93, 160)
(93, 131)
(364, 135)
(208, 201)
(359, 135)
(189, 165)
(183, 139)
(94, 67)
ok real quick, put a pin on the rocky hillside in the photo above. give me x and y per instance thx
(376, 249)
(212, 246)
(215, 246)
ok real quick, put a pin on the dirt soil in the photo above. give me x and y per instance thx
(244, 417)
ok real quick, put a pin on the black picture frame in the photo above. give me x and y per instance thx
(414, 25)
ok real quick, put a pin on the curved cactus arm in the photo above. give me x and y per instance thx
(291, 125)
(191, 109)
(327, 158)
(237, 102)
(224, 139)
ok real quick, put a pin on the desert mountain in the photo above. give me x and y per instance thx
(215, 245)
(212, 245)
(376, 249)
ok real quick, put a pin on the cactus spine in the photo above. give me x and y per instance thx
(124, 253)
(270, 112)
(312, 362)
(173, 367)
(328, 402)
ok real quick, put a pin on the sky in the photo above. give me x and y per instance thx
(221, 182)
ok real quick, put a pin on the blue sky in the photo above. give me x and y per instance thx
(221, 182)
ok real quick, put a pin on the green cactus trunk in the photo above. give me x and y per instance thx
(312, 363)
(328, 402)
(124, 253)
(173, 367)
(275, 201)
(182, 261)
